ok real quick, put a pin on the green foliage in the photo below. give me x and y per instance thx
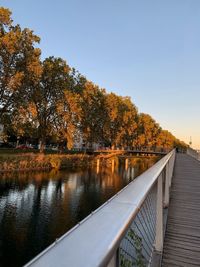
(124, 262)
(137, 241)
(139, 260)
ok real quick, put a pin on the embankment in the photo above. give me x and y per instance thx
(32, 161)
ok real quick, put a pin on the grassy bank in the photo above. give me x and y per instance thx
(32, 161)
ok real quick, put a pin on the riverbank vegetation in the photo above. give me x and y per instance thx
(47, 101)
(32, 161)
(11, 162)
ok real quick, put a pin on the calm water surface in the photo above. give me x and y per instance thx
(38, 207)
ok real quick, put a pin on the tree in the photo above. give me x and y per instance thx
(19, 62)
(76, 82)
(129, 122)
(50, 99)
(93, 113)
(46, 96)
(147, 131)
(121, 120)
(165, 140)
(67, 118)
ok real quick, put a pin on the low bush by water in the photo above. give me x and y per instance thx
(32, 161)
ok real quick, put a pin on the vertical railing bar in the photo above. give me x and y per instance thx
(172, 161)
(131, 256)
(150, 219)
(154, 208)
(144, 240)
(171, 170)
(147, 226)
(147, 235)
(159, 217)
(144, 248)
(150, 203)
(149, 216)
(166, 179)
(133, 246)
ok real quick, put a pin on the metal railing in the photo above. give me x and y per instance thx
(126, 231)
(193, 153)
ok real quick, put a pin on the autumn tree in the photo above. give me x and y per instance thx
(50, 99)
(147, 131)
(67, 118)
(121, 120)
(165, 140)
(93, 113)
(19, 62)
(76, 82)
(46, 96)
(129, 122)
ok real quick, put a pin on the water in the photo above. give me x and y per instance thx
(38, 207)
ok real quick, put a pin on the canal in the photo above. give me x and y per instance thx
(38, 207)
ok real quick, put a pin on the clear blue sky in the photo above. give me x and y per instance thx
(146, 49)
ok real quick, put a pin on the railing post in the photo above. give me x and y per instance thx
(171, 168)
(167, 185)
(114, 262)
(159, 215)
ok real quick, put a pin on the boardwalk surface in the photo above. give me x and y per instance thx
(182, 238)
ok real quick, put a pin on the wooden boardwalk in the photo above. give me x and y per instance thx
(182, 238)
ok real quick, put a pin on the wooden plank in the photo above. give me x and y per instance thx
(182, 238)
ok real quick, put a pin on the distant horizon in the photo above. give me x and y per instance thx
(146, 50)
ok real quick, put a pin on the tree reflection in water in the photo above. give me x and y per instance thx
(38, 207)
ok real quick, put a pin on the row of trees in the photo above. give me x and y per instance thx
(48, 100)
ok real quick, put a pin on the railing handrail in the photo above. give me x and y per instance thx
(94, 240)
(193, 153)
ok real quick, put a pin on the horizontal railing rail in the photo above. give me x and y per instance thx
(126, 231)
(193, 153)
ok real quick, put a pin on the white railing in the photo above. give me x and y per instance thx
(193, 153)
(126, 231)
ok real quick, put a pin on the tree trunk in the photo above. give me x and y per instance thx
(42, 144)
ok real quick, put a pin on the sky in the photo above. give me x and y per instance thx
(149, 50)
